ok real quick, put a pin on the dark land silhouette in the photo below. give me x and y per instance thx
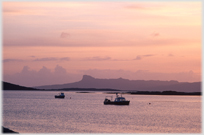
(9, 86)
(161, 93)
(7, 130)
(88, 82)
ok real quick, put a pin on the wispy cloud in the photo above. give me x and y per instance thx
(64, 35)
(65, 59)
(53, 59)
(136, 6)
(170, 55)
(8, 10)
(155, 34)
(107, 58)
(46, 59)
(43, 76)
(97, 58)
(12, 60)
(139, 57)
(144, 6)
(37, 59)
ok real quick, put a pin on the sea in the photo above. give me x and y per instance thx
(79, 112)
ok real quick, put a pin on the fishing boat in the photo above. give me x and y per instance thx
(119, 100)
(60, 95)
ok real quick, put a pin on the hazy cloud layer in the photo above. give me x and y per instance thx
(155, 34)
(38, 59)
(52, 59)
(10, 10)
(107, 58)
(12, 60)
(97, 58)
(140, 6)
(136, 7)
(170, 55)
(29, 77)
(46, 59)
(64, 35)
(97, 24)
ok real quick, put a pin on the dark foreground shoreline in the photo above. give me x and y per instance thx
(6, 130)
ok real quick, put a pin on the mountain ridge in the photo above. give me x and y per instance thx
(126, 84)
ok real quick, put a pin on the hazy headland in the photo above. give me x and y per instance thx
(121, 85)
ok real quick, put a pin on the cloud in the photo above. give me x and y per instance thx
(146, 6)
(60, 70)
(136, 6)
(44, 76)
(12, 60)
(97, 58)
(139, 57)
(64, 35)
(9, 10)
(37, 59)
(52, 59)
(107, 58)
(25, 69)
(65, 59)
(47, 59)
(148, 55)
(44, 71)
(155, 34)
(170, 55)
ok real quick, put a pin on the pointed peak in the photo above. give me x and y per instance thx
(87, 77)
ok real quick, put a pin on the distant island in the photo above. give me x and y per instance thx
(10, 86)
(128, 85)
(162, 93)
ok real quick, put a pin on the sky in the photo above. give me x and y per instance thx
(58, 42)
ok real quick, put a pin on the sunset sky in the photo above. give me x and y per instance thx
(58, 42)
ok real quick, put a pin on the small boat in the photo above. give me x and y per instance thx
(118, 101)
(61, 95)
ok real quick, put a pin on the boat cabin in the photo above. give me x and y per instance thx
(118, 99)
(61, 94)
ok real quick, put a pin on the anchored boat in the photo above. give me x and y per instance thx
(119, 100)
(61, 95)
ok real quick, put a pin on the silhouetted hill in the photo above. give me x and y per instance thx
(125, 84)
(10, 86)
(163, 93)
(7, 130)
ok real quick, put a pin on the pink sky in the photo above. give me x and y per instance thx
(132, 40)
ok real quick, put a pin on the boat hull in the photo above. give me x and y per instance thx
(117, 103)
(59, 96)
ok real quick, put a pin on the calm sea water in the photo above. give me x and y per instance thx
(40, 112)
